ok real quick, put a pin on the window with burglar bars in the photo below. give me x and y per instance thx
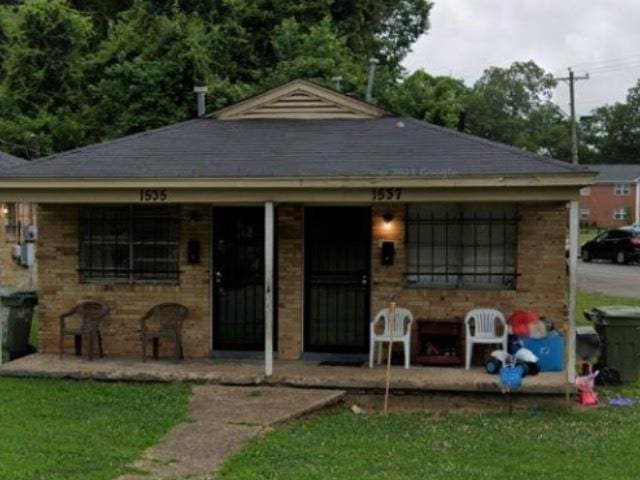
(130, 243)
(12, 222)
(462, 246)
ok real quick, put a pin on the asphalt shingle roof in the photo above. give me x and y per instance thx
(611, 173)
(209, 148)
(9, 161)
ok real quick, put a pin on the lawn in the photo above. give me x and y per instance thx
(587, 234)
(601, 443)
(586, 301)
(66, 430)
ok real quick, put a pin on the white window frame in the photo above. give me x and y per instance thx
(620, 213)
(585, 214)
(621, 189)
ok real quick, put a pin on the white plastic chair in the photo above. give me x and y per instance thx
(485, 323)
(400, 330)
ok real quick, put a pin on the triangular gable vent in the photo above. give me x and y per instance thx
(300, 100)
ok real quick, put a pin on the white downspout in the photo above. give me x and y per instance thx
(268, 287)
(574, 226)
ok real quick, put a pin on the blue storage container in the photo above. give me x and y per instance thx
(549, 350)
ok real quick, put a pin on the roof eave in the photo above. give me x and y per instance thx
(577, 179)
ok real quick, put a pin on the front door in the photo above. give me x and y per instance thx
(337, 260)
(238, 278)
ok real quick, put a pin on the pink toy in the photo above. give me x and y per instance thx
(585, 385)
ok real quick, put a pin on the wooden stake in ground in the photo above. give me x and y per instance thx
(392, 322)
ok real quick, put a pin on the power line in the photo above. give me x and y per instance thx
(605, 61)
(604, 64)
(616, 70)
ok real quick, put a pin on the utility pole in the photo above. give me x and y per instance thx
(572, 79)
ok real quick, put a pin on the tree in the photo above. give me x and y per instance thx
(41, 92)
(514, 106)
(80, 71)
(382, 28)
(144, 72)
(43, 63)
(437, 100)
(315, 53)
(613, 131)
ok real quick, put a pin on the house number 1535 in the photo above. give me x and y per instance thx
(153, 195)
(386, 194)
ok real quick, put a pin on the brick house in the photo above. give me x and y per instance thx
(614, 199)
(299, 212)
(17, 269)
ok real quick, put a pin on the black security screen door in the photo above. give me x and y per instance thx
(238, 278)
(337, 259)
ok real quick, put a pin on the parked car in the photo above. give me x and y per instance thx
(621, 245)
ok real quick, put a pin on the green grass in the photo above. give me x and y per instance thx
(586, 301)
(600, 443)
(66, 430)
(587, 234)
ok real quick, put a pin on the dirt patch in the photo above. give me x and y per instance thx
(439, 403)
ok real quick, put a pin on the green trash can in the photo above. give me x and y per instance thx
(18, 308)
(619, 329)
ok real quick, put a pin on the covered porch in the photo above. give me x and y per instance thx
(300, 280)
(247, 372)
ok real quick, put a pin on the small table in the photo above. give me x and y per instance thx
(439, 342)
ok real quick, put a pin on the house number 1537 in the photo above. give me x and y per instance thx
(153, 195)
(386, 194)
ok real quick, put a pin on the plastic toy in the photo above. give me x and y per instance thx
(528, 360)
(585, 385)
(511, 376)
(511, 379)
(523, 358)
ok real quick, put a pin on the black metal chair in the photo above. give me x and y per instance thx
(170, 318)
(91, 314)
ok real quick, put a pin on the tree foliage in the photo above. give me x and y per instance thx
(437, 100)
(74, 72)
(82, 71)
(612, 132)
(513, 105)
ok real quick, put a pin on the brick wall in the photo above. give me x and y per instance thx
(540, 257)
(601, 201)
(290, 281)
(540, 261)
(12, 273)
(60, 288)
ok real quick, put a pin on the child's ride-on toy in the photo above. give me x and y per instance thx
(523, 357)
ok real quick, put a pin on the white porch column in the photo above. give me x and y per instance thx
(574, 227)
(637, 219)
(269, 220)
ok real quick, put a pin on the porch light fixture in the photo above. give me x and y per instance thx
(388, 218)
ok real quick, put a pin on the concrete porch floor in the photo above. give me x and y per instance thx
(285, 373)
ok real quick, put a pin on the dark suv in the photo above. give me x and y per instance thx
(621, 246)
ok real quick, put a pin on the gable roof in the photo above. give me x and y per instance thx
(8, 161)
(614, 173)
(207, 148)
(300, 99)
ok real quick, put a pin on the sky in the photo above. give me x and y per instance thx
(599, 37)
